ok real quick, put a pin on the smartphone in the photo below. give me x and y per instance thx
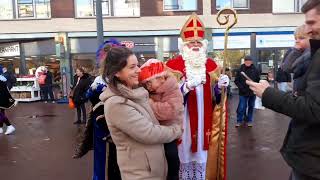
(247, 77)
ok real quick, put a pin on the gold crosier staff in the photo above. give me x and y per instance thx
(225, 13)
(229, 25)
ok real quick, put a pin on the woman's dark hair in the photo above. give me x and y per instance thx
(115, 61)
(81, 69)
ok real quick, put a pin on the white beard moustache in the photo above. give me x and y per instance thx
(195, 62)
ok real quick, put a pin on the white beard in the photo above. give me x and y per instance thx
(195, 62)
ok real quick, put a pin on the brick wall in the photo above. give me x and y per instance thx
(62, 9)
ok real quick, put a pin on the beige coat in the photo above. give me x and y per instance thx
(137, 134)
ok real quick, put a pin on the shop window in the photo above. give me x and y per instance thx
(33, 9)
(25, 8)
(105, 4)
(236, 4)
(6, 9)
(87, 8)
(126, 8)
(180, 5)
(287, 6)
(43, 9)
(38, 9)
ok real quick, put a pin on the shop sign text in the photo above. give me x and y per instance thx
(7, 50)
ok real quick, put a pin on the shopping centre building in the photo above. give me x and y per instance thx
(62, 34)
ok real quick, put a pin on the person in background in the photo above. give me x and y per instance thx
(229, 74)
(134, 129)
(82, 82)
(6, 102)
(283, 78)
(301, 146)
(11, 79)
(246, 96)
(297, 59)
(166, 101)
(47, 88)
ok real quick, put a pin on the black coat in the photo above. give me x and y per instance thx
(296, 61)
(48, 80)
(240, 80)
(11, 79)
(6, 99)
(80, 89)
(301, 147)
(283, 76)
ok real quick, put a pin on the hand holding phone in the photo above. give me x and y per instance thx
(247, 77)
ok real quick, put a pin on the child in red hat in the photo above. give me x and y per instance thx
(166, 101)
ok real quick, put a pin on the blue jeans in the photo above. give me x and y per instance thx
(244, 102)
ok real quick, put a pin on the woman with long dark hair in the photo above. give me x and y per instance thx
(134, 128)
(82, 82)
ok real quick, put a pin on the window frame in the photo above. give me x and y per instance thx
(296, 8)
(238, 8)
(92, 8)
(94, 2)
(16, 10)
(12, 15)
(111, 10)
(179, 10)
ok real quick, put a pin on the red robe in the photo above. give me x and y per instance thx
(178, 65)
(215, 130)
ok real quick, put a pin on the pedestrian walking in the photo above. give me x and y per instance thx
(246, 96)
(6, 102)
(301, 147)
(134, 128)
(11, 78)
(48, 85)
(82, 82)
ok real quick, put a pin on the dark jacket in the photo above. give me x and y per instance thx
(296, 62)
(283, 76)
(11, 79)
(6, 99)
(80, 89)
(240, 80)
(301, 147)
(48, 80)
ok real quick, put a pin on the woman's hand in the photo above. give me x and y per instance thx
(258, 88)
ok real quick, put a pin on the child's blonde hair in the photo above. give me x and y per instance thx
(300, 32)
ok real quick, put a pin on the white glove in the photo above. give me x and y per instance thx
(193, 83)
(223, 81)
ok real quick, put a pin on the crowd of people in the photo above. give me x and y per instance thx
(168, 120)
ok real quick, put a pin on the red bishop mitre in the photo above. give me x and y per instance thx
(193, 29)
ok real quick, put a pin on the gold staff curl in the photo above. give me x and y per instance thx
(225, 14)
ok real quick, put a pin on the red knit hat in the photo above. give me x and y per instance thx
(151, 69)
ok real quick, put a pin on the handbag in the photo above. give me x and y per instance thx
(71, 104)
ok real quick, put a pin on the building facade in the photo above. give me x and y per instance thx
(62, 34)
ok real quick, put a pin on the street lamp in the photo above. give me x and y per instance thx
(99, 20)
